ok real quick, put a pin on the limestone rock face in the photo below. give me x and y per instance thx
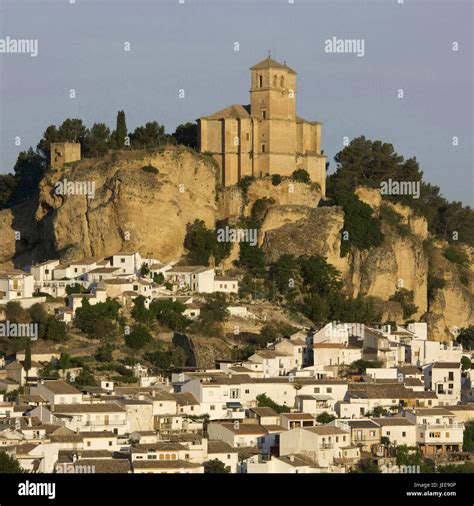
(451, 307)
(311, 232)
(131, 209)
(399, 263)
(232, 203)
(7, 243)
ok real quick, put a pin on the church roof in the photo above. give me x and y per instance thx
(270, 63)
(233, 111)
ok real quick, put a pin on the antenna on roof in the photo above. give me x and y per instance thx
(269, 53)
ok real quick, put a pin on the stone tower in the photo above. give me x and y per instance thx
(273, 105)
(64, 152)
(265, 137)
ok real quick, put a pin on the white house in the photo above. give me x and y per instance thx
(57, 392)
(444, 378)
(15, 285)
(226, 284)
(195, 278)
(437, 431)
(128, 262)
(96, 417)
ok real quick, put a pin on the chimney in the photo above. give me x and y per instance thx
(29, 421)
(292, 458)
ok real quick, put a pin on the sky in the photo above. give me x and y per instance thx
(190, 46)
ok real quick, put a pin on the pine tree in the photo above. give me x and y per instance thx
(121, 130)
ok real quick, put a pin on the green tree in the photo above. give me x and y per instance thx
(8, 184)
(361, 230)
(139, 312)
(170, 314)
(96, 140)
(138, 338)
(466, 338)
(64, 362)
(121, 132)
(301, 175)
(202, 243)
(9, 465)
(148, 136)
(215, 466)
(360, 366)
(187, 135)
(27, 361)
(405, 298)
(325, 417)
(466, 363)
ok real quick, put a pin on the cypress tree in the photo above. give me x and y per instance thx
(121, 130)
(27, 362)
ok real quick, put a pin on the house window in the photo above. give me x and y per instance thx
(404, 434)
(316, 390)
(372, 433)
(329, 390)
(260, 81)
(213, 407)
(447, 434)
(388, 433)
(110, 443)
(451, 376)
(122, 260)
(88, 443)
(247, 391)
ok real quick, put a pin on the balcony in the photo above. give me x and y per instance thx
(444, 426)
(326, 446)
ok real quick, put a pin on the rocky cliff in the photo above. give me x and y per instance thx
(131, 208)
(144, 200)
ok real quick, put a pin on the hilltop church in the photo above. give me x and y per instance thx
(265, 137)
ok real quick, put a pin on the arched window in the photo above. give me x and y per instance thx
(260, 81)
(282, 82)
(162, 457)
(168, 456)
(274, 81)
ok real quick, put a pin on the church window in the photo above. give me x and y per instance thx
(248, 136)
(274, 81)
(264, 114)
(260, 81)
(282, 82)
(263, 148)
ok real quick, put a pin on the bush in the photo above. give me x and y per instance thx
(276, 179)
(405, 298)
(465, 363)
(466, 338)
(265, 402)
(456, 255)
(325, 418)
(363, 229)
(138, 338)
(244, 184)
(301, 175)
(150, 169)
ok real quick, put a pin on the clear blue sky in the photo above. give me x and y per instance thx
(191, 46)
